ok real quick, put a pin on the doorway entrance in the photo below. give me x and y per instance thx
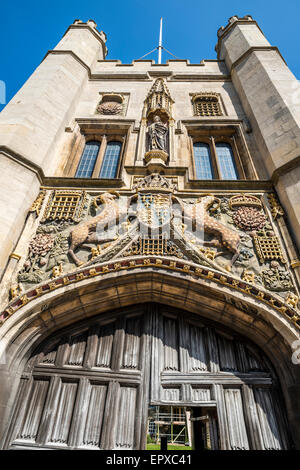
(89, 386)
(184, 428)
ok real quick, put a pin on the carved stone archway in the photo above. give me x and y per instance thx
(88, 386)
(87, 298)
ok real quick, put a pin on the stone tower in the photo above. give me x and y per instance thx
(149, 218)
(269, 93)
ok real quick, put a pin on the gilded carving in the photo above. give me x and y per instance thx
(156, 221)
(36, 206)
(65, 205)
(276, 209)
(208, 253)
(14, 292)
(80, 276)
(276, 278)
(92, 230)
(154, 210)
(248, 276)
(248, 200)
(57, 270)
(39, 247)
(225, 237)
(95, 251)
(268, 246)
(292, 300)
(153, 246)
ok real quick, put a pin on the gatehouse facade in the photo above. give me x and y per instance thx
(150, 249)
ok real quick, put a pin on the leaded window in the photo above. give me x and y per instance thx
(111, 158)
(88, 160)
(226, 161)
(203, 164)
(214, 161)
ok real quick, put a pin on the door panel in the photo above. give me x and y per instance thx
(34, 410)
(124, 438)
(238, 439)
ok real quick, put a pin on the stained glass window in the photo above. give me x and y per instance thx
(111, 160)
(88, 160)
(203, 166)
(226, 161)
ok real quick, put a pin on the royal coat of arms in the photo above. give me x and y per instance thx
(154, 211)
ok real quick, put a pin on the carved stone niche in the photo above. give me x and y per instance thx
(157, 116)
(157, 141)
(111, 104)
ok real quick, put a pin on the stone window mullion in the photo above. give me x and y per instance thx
(214, 159)
(100, 157)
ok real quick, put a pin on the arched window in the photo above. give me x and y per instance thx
(226, 161)
(110, 162)
(203, 164)
(88, 160)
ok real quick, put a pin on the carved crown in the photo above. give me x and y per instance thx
(245, 200)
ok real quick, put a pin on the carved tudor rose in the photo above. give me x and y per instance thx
(109, 107)
(111, 104)
(249, 219)
(248, 215)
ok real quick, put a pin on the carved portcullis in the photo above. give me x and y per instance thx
(65, 205)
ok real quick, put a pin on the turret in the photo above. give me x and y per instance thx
(34, 120)
(270, 95)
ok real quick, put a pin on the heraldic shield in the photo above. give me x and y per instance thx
(154, 213)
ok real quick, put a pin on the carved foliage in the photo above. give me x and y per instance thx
(276, 278)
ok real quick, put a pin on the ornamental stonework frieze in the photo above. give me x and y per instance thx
(82, 229)
(155, 181)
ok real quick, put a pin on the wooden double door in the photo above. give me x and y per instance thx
(90, 386)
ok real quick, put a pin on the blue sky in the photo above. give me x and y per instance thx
(29, 28)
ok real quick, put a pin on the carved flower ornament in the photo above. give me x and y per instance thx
(249, 219)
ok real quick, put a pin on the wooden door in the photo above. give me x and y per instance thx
(85, 389)
(90, 386)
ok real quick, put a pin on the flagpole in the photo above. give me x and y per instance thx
(160, 42)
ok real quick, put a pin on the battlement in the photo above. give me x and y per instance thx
(170, 68)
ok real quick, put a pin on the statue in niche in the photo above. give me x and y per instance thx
(158, 132)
